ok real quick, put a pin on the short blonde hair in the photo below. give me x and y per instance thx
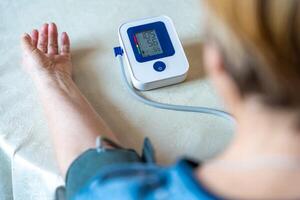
(260, 42)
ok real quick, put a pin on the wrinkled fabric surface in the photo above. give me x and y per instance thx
(28, 168)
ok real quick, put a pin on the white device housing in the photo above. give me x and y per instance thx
(143, 75)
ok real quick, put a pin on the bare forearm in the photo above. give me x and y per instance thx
(73, 123)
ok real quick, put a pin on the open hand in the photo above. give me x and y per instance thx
(41, 54)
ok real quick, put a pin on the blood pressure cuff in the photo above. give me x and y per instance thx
(91, 162)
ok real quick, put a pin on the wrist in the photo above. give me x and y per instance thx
(48, 81)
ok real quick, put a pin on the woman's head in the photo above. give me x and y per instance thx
(254, 50)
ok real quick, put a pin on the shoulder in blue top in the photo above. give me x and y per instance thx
(147, 182)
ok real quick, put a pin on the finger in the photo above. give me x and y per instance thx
(52, 44)
(26, 43)
(65, 43)
(29, 49)
(34, 37)
(43, 38)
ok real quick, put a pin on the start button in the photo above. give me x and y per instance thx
(159, 66)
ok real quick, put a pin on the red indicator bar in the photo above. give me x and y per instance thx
(135, 40)
(136, 44)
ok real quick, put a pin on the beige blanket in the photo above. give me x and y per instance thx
(27, 165)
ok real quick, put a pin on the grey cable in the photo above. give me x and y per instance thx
(196, 109)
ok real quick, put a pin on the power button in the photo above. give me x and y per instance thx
(159, 66)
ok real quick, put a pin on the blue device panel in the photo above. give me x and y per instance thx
(150, 41)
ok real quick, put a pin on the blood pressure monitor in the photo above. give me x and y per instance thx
(153, 52)
(155, 58)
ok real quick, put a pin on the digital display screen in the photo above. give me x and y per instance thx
(147, 43)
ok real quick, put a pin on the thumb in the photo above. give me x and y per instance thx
(26, 43)
(28, 48)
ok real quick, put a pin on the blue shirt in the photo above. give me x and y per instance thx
(146, 181)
